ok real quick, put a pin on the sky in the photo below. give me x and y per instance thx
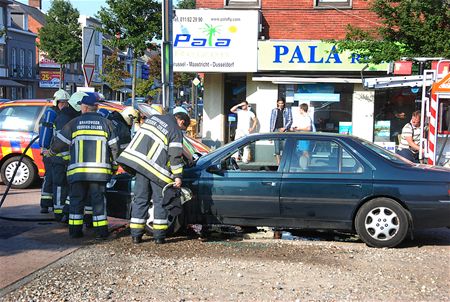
(86, 7)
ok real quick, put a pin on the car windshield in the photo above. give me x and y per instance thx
(384, 153)
(19, 118)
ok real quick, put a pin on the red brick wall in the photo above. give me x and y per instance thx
(299, 20)
(34, 26)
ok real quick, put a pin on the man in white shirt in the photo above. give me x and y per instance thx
(410, 139)
(246, 124)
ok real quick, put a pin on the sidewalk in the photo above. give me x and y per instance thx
(27, 246)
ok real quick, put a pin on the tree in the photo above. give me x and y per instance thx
(186, 4)
(60, 38)
(409, 28)
(114, 72)
(134, 24)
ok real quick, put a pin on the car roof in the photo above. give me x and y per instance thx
(309, 133)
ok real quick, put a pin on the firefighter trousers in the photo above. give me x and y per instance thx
(80, 193)
(60, 186)
(47, 185)
(144, 189)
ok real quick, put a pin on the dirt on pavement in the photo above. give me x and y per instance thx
(188, 269)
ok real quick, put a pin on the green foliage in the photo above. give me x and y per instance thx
(60, 38)
(114, 72)
(144, 88)
(131, 23)
(186, 4)
(410, 28)
(180, 79)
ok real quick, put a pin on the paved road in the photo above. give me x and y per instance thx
(35, 242)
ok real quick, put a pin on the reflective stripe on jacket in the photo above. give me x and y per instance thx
(156, 150)
(93, 147)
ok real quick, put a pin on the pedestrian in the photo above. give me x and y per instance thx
(93, 147)
(246, 124)
(410, 139)
(179, 108)
(303, 123)
(46, 133)
(60, 162)
(280, 121)
(155, 153)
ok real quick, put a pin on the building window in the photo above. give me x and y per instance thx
(333, 3)
(14, 62)
(97, 38)
(29, 92)
(2, 54)
(242, 3)
(2, 18)
(29, 69)
(21, 63)
(97, 63)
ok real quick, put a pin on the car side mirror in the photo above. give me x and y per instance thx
(216, 169)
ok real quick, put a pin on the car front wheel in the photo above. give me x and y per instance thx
(382, 222)
(25, 176)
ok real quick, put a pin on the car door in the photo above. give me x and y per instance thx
(323, 183)
(243, 189)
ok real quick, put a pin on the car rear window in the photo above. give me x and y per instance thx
(19, 118)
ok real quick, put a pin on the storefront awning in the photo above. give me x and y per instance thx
(299, 80)
(10, 83)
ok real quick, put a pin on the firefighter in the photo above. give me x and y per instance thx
(123, 122)
(61, 160)
(155, 153)
(46, 133)
(93, 147)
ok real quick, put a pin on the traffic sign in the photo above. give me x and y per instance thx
(88, 72)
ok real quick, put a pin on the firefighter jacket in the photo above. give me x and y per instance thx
(93, 147)
(156, 150)
(122, 129)
(63, 118)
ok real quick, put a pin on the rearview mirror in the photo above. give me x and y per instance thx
(215, 169)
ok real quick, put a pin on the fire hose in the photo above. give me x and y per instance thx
(10, 183)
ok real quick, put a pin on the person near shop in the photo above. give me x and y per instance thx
(155, 153)
(303, 123)
(410, 139)
(93, 147)
(46, 133)
(246, 124)
(60, 162)
(280, 121)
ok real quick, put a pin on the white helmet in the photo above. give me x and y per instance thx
(129, 114)
(75, 99)
(60, 95)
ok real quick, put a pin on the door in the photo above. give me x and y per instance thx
(323, 184)
(244, 189)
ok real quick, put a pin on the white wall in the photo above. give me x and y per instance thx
(264, 95)
(362, 112)
(213, 116)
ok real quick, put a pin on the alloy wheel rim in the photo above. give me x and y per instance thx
(23, 173)
(382, 223)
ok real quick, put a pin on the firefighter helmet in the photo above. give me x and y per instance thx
(76, 98)
(129, 114)
(60, 95)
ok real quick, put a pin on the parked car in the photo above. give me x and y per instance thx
(323, 181)
(19, 124)
(139, 99)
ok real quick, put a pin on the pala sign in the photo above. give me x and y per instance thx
(186, 40)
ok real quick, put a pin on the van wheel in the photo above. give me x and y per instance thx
(382, 222)
(25, 176)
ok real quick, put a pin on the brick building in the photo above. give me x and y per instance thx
(287, 57)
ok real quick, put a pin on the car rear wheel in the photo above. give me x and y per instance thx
(25, 176)
(382, 222)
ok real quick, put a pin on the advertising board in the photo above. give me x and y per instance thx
(49, 79)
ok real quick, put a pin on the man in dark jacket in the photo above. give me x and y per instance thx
(155, 153)
(93, 147)
(60, 162)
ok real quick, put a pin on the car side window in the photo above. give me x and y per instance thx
(19, 118)
(322, 156)
(258, 156)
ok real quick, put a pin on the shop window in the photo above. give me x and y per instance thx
(333, 3)
(330, 105)
(392, 110)
(2, 54)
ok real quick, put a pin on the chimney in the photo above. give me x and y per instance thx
(35, 3)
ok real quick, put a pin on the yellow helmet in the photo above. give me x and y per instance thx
(60, 95)
(157, 109)
(129, 114)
